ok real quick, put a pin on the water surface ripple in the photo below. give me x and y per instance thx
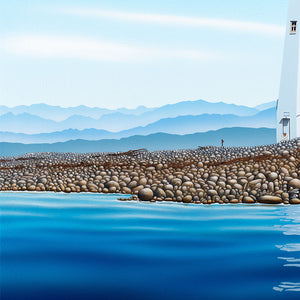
(90, 246)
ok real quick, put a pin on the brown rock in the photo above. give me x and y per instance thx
(269, 199)
(111, 184)
(187, 199)
(126, 190)
(295, 183)
(160, 193)
(212, 193)
(234, 201)
(145, 194)
(248, 199)
(169, 194)
(295, 201)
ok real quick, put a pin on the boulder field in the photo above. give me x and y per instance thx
(266, 174)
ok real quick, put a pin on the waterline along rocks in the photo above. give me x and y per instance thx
(266, 174)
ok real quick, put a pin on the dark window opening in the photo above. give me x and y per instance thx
(293, 27)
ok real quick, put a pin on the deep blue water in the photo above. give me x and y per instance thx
(90, 246)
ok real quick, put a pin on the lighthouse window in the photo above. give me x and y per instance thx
(293, 27)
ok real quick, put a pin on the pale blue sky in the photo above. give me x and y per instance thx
(128, 53)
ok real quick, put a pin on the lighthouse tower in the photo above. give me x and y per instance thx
(288, 106)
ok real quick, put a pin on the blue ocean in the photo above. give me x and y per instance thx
(91, 246)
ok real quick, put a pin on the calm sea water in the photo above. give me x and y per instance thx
(89, 246)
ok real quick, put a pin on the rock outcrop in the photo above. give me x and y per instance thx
(268, 174)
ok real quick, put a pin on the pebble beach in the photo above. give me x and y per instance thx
(268, 174)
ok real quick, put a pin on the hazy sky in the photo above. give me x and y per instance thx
(126, 53)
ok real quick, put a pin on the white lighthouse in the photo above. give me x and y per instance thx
(288, 106)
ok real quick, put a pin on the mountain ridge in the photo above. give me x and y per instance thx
(237, 136)
(57, 113)
(30, 124)
(179, 125)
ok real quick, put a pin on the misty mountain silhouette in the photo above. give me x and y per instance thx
(42, 118)
(157, 141)
(178, 125)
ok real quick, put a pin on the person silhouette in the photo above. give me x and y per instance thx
(222, 143)
(284, 137)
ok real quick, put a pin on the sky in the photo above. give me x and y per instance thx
(117, 53)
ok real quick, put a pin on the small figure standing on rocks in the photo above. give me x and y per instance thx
(222, 142)
(284, 137)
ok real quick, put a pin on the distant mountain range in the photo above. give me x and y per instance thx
(43, 118)
(178, 125)
(157, 141)
(187, 124)
(58, 113)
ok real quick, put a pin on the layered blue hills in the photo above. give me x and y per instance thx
(178, 125)
(157, 141)
(42, 118)
(42, 127)
(58, 113)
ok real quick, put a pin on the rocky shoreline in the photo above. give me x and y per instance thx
(267, 174)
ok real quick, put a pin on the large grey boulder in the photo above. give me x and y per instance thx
(145, 194)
